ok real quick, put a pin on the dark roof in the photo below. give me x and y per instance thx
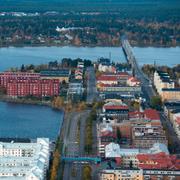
(173, 104)
(171, 89)
(104, 61)
(59, 72)
(175, 111)
(161, 73)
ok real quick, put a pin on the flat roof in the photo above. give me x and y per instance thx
(170, 89)
(59, 72)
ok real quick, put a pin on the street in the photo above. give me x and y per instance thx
(149, 92)
(71, 145)
(91, 85)
(171, 133)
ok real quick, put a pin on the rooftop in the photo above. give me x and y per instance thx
(55, 73)
(107, 78)
(158, 161)
(115, 105)
(30, 166)
(149, 114)
(114, 150)
(171, 89)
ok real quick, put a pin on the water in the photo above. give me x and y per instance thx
(15, 57)
(29, 121)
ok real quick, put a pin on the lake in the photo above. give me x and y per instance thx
(29, 121)
(16, 56)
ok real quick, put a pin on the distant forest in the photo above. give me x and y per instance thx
(161, 9)
(100, 22)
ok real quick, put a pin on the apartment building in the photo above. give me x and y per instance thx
(121, 174)
(127, 157)
(29, 161)
(144, 136)
(31, 87)
(138, 174)
(166, 86)
(45, 83)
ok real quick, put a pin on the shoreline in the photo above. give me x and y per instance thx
(5, 99)
(85, 46)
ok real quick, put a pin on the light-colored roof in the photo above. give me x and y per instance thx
(113, 150)
(30, 166)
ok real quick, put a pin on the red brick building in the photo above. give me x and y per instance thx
(6, 76)
(20, 84)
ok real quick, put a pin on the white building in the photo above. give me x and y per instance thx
(133, 81)
(27, 161)
(106, 68)
(176, 124)
(128, 155)
(162, 80)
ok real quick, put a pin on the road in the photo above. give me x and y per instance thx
(148, 92)
(91, 85)
(145, 81)
(71, 145)
(171, 133)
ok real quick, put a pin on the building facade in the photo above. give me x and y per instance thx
(29, 161)
(43, 84)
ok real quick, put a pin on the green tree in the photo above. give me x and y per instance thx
(118, 133)
(156, 102)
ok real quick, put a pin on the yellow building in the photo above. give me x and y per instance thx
(170, 94)
(120, 174)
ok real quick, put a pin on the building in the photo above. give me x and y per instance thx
(138, 174)
(148, 118)
(5, 77)
(148, 115)
(162, 80)
(116, 108)
(43, 84)
(75, 90)
(171, 105)
(106, 80)
(79, 71)
(123, 90)
(158, 161)
(105, 135)
(165, 86)
(60, 74)
(104, 65)
(79, 74)
(170, 94)
(144, 136)
(133, 81)
(33, 87)
(121, 174)
(176, 123)
(29, 161)
(128, 156)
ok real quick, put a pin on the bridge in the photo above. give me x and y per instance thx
(81, 159)
(131, 59)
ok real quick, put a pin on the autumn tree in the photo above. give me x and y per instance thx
(55, 165)
(87, 173)
(58, 102)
